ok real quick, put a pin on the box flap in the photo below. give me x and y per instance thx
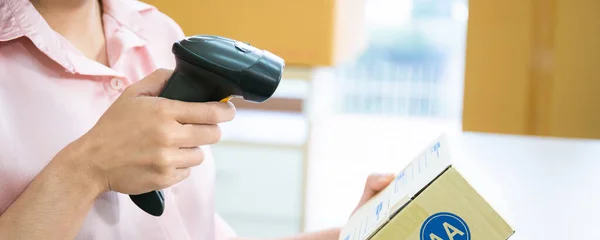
(421, 171)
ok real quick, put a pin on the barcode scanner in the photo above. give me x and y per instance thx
(212, 68)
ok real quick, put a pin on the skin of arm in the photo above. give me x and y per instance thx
(56, 202)
(53, 206)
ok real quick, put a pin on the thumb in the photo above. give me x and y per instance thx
(151, 85)
(376, 183)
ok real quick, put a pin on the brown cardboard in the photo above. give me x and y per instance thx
(448, 193)
(304, 33)
(531, 68)
(429, 200)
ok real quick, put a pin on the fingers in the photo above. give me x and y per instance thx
(376, 183)
(190, 136)
(176, 158)
(189, 157)
(152, 85)
(198, 135)
(203, 113)
(173, 166)
(184, 112)
(175, 177)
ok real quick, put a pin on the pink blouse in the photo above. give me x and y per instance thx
(50, 94)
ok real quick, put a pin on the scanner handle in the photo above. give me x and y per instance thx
(184, 85)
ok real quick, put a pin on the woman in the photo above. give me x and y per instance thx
(80, 127)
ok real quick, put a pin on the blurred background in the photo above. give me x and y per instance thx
(514, 83)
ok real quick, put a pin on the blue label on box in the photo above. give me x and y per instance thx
(445, 226)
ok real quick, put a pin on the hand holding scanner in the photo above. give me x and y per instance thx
(212, 68)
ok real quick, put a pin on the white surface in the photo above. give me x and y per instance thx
(545, 188)
(262, 127)
(292, 88)
(259, 186)
(260, 173)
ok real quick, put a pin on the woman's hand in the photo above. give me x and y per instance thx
(375, 183)
(143, 142)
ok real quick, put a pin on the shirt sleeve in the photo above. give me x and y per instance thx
(222, 229)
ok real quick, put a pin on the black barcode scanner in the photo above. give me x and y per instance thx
(213, 68)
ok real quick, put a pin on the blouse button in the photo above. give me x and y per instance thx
(116, 84)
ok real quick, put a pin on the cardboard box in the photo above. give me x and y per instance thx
(304, 33)
(531, 68)
(429, 200)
